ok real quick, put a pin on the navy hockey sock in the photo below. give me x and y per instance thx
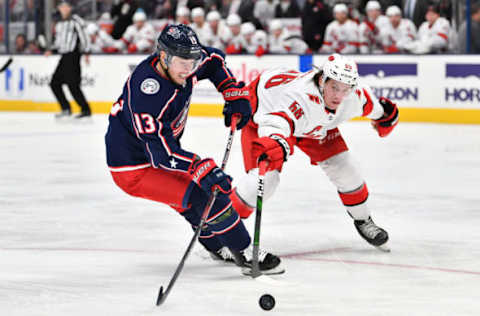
(206, 238)
(224, 226)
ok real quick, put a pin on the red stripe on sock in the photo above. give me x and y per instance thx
(356, 197)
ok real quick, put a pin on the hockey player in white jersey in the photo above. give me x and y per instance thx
(182, 15)
(217, 27)
(370, 40)
(203, 30)
(255, 40)
(304, 110)
(399, 34)
(140, 36)
(231, 36)
(341, 35)
(433, 34)
(280, 41)
(100, 41)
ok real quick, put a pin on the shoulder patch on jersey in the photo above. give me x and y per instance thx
(150, 86)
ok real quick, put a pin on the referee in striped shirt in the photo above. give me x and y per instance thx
(70, 41)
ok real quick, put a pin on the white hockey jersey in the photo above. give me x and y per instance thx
(433, 38)
(290, 103)
(102, 42)
(370, 39)
(400, 37)
(341, 38)
(143, 38)
(286, 44)
(233, 43)
(258, 39)
(215, 39)
(204, 32)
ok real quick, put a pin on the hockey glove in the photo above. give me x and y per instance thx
(237, 102)
(132, 48)
(274, 149)
(387, 123)
(208, 176)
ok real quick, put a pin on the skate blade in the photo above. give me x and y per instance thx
(277, 270)
(64, 119)
(83, 121)
(383, 248)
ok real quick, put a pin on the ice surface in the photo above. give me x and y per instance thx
(72, 243)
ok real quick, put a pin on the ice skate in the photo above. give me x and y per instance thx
(268, 263)
(223, 254)
(83, 117)
(64, 115)
(373, 234)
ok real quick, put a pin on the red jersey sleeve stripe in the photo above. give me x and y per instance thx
(160, 125)
(443, 35)
(130, 108)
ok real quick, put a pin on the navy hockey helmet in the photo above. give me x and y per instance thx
(179, 40)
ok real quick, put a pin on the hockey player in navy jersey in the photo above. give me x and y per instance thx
(144, 153)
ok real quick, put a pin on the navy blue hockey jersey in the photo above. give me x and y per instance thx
(147, 121)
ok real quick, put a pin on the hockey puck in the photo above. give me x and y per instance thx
(267, 302)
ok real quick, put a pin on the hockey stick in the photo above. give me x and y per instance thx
(258, 219)
(162, 296)
(7, 63)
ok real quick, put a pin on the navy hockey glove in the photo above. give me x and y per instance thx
(207, 175)
(237, 102)
(389, 120)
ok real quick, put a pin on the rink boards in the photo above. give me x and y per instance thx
(436, 88)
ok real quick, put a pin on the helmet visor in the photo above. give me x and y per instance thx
(181, 64)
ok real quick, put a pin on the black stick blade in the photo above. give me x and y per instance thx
(160, 296)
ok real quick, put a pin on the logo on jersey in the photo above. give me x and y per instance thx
(150, 86)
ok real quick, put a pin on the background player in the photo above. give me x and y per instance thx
(144, 153)
(304, 110)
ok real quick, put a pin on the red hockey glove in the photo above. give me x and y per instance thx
(372, 27)
(387, 123)
(208, 176)
(132, 48)
(233, 49)
(392, 49)
(275, 149)
(237, 102)
(110, 50)
(260, 51)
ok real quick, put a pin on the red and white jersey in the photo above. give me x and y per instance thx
(143, 38)
(204, 32)
(286, 43)
(436, 36)
(401, 36)
(370, 40)
(232, 41)
(341, 38)
(101, 42)
(215, 38)
(258, 39)
(290, 104)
